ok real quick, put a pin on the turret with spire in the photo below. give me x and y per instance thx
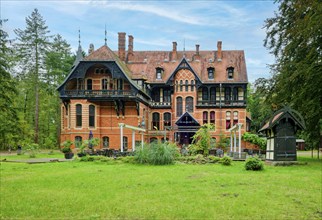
(79, 53)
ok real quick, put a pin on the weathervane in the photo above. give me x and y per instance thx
(184, 47)
(105, 35)
(79, 41)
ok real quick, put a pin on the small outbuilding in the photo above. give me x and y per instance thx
(280, 131)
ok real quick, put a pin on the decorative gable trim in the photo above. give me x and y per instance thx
(184, 65)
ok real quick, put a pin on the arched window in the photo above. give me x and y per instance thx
(230, 72)
(235, 118)
(205, 117)
(125, 143)
(106, 142)
(78, 141)
(78, 115)
(166, 119)
(192, 85)
(155, 121)
(212, 117)
(228, 123)
(187, 87)
(179, 106)
(189, 104)
(211, 74)
(104, 84)
(91, 118)
(153, 139)
(89, 84)
(181, 85)
(177, 85)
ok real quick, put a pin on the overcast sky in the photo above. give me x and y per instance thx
(155, 24)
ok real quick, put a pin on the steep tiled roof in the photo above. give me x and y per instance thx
(145, 62)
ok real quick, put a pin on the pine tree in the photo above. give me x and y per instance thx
(33, 42)
(8, 92)
(294, 36)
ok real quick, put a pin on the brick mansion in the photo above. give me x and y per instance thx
(125, 97)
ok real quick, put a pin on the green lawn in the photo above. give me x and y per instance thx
(97, 190)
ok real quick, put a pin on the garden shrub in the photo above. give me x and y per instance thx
(200, 159)
(213, 159)
(254, 163)
(87, 158)
(128, 159)
(226, 161)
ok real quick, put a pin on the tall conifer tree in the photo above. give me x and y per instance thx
(33, 42)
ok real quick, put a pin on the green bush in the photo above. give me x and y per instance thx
(254, 163)
(213, 159)
(128, 159)
(226, 161)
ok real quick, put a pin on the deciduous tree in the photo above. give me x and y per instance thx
(294, 36)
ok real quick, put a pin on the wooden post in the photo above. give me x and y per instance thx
(133, 140)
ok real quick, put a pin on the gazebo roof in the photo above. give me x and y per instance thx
(285, 112)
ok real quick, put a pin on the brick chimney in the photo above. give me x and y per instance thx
(219, 54)
(196, 56)
(122, 45)
(197, 49)
(174, 51)
(130, 49)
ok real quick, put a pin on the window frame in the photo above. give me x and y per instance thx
(79, 117)
(91, 115)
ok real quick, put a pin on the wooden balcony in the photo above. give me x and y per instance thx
(222, 103)
(87, 94)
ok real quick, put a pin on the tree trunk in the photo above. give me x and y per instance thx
(37, 97)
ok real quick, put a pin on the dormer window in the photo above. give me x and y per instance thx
(159, 73)
(230, 72)
(211, 74)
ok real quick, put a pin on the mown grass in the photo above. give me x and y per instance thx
(97, 190)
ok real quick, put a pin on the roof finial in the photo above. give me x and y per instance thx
(105, 36)
(184, 47)
(79, 41)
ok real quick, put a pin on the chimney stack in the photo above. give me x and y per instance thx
(219, 54)
(197, 49)
(122, 45)
(174, 51)
(130, 49)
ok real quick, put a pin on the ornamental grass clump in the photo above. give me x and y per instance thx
(254, 163)
(157, 154)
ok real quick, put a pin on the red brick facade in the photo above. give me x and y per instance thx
(145, 88)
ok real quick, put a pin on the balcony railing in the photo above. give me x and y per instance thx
(217, 103)
(98, 93)
(160, 104)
